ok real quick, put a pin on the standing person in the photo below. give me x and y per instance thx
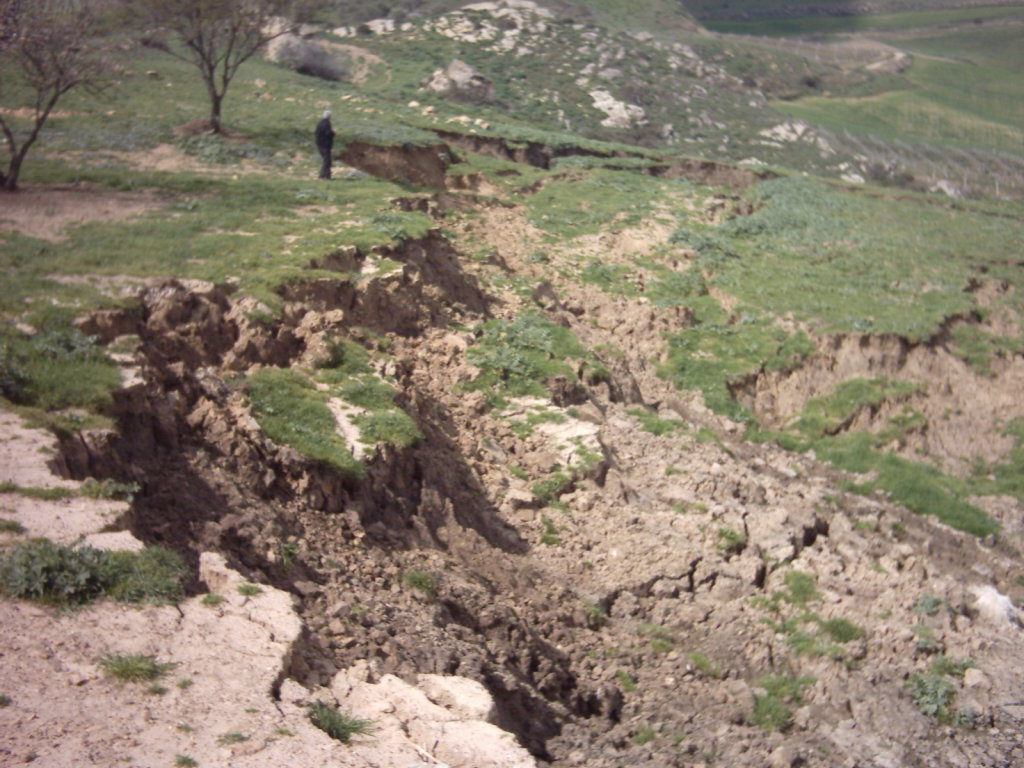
(324, 143)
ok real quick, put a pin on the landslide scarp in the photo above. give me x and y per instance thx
(633, 582)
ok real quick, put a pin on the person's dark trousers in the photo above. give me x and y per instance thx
(325, 167)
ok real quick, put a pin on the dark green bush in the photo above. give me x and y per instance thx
(53, 574)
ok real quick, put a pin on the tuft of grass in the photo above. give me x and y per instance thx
(549, 537)
(841, 630)
(233, 737)
(644, 736)
(731, 541)
(11, 526)
(925, 635)
(134, 667)
(421, 581)
(184, 761)
(5, 700)
(212, 599)
(337, 724)
(626, 681)
(651, 422)
(249, 590)
(704, 665)
(662, 640)
(771, 710)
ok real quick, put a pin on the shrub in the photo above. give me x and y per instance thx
(338, 725)
(52, 574)
(928, 604)
(108, 489)
(932, 694)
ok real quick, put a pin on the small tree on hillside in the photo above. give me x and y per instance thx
(218, 36)
(47, 48)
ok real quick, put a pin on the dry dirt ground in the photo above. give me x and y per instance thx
(45, 212)
(639, 614)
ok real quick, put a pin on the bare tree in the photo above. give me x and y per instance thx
(218, 36)
(47, 48)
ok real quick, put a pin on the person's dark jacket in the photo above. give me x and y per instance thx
(324, 134)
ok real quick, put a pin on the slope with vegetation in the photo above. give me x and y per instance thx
(685, 462)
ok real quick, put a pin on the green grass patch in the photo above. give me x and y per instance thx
(626, 681)
(11, 526)
(919, 487)
(57, 367)
(293, 412)
(707, 356)
(233, 737)
(516, 357)
(651, 422)
(591, 202)
(32, 492)
(833, 413)
(978, 348)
